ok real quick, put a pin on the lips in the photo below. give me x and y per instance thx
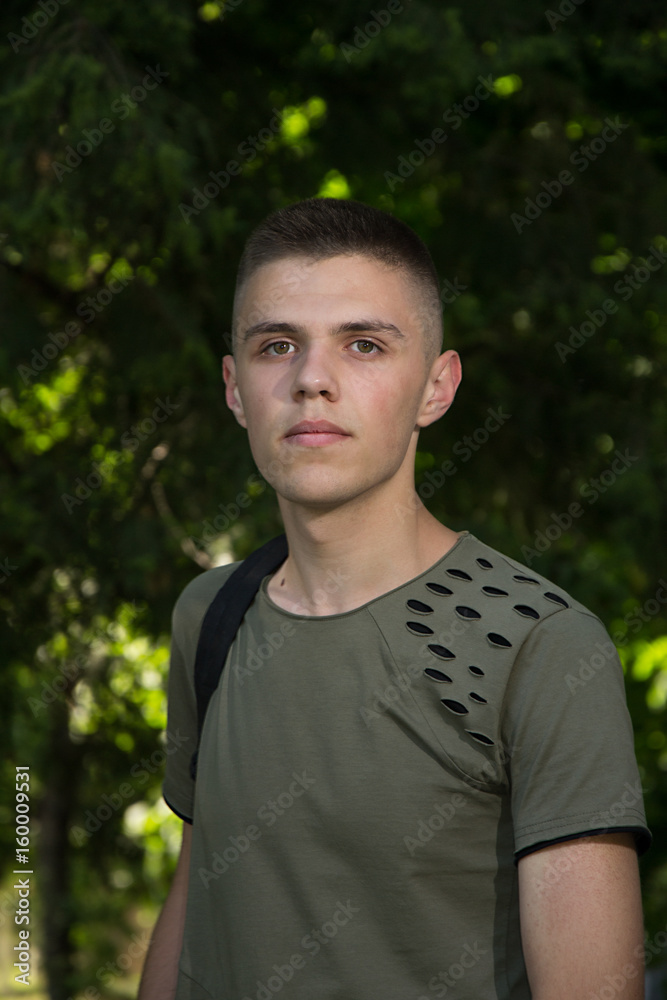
(315, 427)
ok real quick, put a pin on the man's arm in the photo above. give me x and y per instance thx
(581, 919)
(158, 980)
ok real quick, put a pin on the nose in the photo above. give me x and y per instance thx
(315, 373)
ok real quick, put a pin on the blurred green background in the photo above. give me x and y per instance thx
(121, 466)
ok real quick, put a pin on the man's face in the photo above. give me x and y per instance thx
(336, 341)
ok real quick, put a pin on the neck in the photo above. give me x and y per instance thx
(349, 555)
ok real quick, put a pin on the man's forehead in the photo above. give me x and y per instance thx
(283, 280)
(301, 269)
(285, 269)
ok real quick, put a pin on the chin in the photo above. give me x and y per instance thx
(322, 498)
(315, 490)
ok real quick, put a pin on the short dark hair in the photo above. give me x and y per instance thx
(320, 228)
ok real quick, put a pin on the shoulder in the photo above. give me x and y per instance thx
(195, 598)
(530, 618)
(470, 629)
(476, 601)
(524, 587)
(499, 602)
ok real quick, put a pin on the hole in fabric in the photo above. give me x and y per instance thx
(525, 579)
(441, 651)
(477, 671)
(556, 599)
(484, 563)
(459, 574)
(526, 611)
(418, 629)
(494, 591)
(454, 706)
(481, 738)
(419, 607)
(478, 698)
(499, 640)
(469, 613)
(437, 675)
(438, 588)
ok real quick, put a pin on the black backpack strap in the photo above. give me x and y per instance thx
(222, 620)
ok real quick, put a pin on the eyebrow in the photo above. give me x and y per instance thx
(354, 326)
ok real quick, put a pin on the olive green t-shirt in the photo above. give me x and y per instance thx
(368, 780)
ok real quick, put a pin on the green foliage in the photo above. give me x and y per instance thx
(116, 293)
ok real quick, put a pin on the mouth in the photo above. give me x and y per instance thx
(315, 432)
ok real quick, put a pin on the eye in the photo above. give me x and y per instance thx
(281, 348)
(368, 344)
(278, 344)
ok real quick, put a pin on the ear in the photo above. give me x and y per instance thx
(443, 381)
(232, 394)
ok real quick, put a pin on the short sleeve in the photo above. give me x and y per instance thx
(569, 738)
(189, 610)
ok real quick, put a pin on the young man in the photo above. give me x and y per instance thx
(398, 795)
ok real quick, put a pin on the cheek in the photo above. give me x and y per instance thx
(258, 423)
(392, 408)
